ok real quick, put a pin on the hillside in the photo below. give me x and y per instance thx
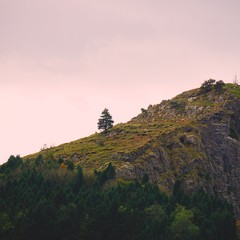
(165, 174)
(193, 137)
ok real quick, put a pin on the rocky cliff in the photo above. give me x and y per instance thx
(194, 138)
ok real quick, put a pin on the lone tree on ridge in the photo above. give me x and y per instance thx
(105, 121)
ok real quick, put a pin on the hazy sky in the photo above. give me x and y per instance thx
(63, 61)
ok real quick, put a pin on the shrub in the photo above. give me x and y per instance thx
(207, 85)
(219, 86)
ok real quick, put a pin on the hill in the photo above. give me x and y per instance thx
(193, 138)
(172, 172)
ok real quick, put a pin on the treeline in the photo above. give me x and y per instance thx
(54, 200)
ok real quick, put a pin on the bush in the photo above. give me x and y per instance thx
(219, 86)
(207, 85)
(179, 105)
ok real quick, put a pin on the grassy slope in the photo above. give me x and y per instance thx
(98, 149)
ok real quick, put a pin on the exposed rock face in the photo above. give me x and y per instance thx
(222, 151)
(205, 154)
(194, 138)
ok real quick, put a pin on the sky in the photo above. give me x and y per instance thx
(63, 61)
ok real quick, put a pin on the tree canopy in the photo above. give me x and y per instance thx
(49, 201)
(105, 121)
(210, 84)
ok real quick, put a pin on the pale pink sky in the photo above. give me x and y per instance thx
(63, 61)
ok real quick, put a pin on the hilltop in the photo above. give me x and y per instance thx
(172, 172)
(193, 137)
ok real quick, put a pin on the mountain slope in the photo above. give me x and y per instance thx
(194, 138)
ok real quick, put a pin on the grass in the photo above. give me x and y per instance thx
(233, 89)
(95, 151)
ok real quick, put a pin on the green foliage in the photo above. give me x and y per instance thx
(210, 84)
(5, 223)
(179, 105)
(107, 174)
(79, 204)
(105, 121)
(59, 203)
(182, 226)
(12, 163)
(78, 181)
(39, 160)
(219, 86)
(207, 85)
(110, 171)
(70, 165)
(233, 89)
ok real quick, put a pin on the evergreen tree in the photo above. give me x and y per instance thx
(78, 181)
(49, 202)
(105, 121)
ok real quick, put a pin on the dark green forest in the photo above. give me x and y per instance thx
(53, 199)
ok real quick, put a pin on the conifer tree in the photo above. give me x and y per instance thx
(105, 121)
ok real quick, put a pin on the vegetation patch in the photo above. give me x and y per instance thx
(234, 89)
(55, 203)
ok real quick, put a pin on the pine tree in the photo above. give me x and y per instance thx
(105, 121)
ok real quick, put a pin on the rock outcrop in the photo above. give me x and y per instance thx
(194, 138)
(203, 153)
